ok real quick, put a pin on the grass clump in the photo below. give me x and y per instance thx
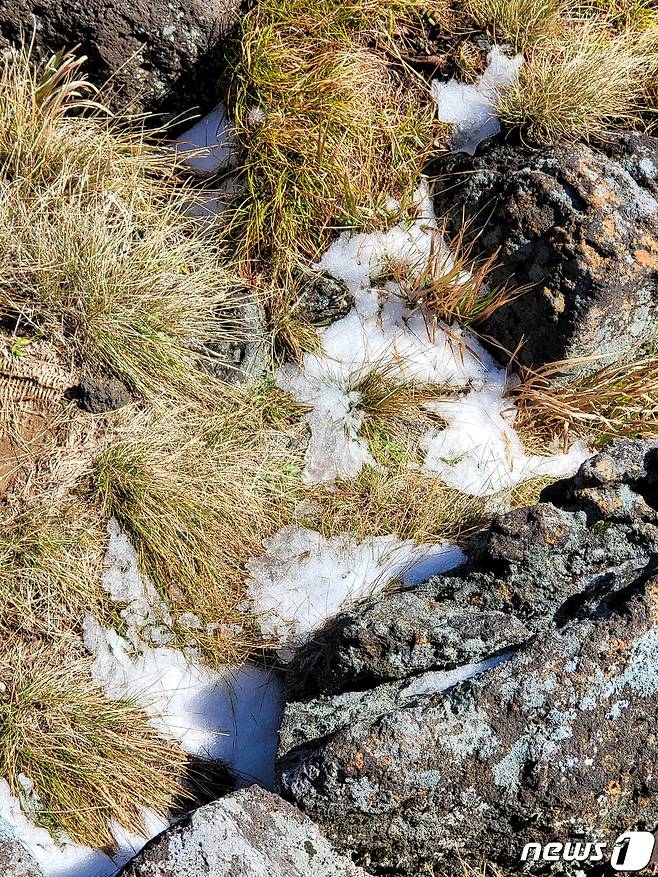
(330, 126)
(405, 502)
(197, 493)
(99, 253)
(640, 14)
(394, 417)
(517, 22)
(454, 285)
(90, 759)
(49, 567)
(582, 84)
(620, 399)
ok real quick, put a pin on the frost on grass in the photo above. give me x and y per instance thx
(471, 108)
(304, 579)
(479, 452)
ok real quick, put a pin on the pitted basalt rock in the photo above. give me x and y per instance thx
(580, 226)
(161, 56)
(395, 637)
(552, 739)
(555, 743)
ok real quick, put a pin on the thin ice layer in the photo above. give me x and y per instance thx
(471, 108)
(304, 578)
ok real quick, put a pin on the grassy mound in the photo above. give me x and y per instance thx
(88, 759)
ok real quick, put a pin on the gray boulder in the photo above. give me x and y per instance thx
(164, 56)
(547, 737)
(580, 225)
(15, 859)
(251, 833)
(397, 636)
(556, 743)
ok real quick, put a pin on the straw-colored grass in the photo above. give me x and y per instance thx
(619, 399)
(394, 417)
(197, 493)
(330, 127)
(49, 566)
(517, 22)
(90, 759)
(99, 253)
(406, 502)
(455, 285)
(583, 84)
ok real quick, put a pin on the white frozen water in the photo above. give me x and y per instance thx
(479, 451)
(471, 108)
(436, 681)
(304, 578)
(63, 858)
(213, 134)
(231, 715)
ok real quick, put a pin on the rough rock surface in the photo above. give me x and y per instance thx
(325, 299)
(97, 394)
(163, 55)
(387, 639)
(251, 833)
(15, 860)
(552, 740)
(243, 356)
(578, 224)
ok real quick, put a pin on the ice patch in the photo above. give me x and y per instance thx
(232, 716)
(305, 579)
(480, 453)
(436, 681)
(144, 611)
(471, 108)
(214, 135)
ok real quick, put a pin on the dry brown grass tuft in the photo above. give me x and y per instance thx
(394, 417)
(620, 399)
(90, 759)
(99, 253)
(406, 502)
(517, 22)
(582, 84)
(197, 493)
(455, 285)
(50, 561)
